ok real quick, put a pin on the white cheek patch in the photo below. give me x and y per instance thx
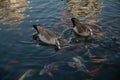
(75, 29)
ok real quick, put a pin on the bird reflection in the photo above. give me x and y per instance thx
(11, 11)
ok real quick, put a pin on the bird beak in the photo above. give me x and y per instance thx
(73, 21)
(35, 26)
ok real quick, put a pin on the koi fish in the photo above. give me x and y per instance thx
(98, 59)
(93, 71)
(48, 69)
(27, 74)
(78, 63)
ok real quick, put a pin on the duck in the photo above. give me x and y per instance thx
(46, 36)
(80, 28)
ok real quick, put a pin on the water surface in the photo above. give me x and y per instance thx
(16, 20)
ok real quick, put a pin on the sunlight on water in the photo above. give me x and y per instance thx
(84, 8)
(12, 11)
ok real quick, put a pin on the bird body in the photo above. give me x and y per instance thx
(46, 36)
(80, 28)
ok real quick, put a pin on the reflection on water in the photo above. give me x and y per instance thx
(11, 11)
(83, 8)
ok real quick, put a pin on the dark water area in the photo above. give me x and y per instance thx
(17, 58)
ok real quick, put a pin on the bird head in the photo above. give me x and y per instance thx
(38, 28)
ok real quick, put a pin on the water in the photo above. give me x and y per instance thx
(16, 20)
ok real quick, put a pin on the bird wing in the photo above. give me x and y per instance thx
(51, 34)
(48, 34)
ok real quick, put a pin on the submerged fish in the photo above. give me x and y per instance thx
(48, 69)
(94, 71)
(78, 63)
(98, 59)
(27, 74)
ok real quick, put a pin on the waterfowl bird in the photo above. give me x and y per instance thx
(46, 36)
(80, 28)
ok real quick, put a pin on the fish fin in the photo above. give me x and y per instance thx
(51, 75)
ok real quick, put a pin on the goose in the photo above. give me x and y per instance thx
(80, 28)
(46, 36)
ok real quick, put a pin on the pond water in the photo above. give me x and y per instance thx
(17, 18)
